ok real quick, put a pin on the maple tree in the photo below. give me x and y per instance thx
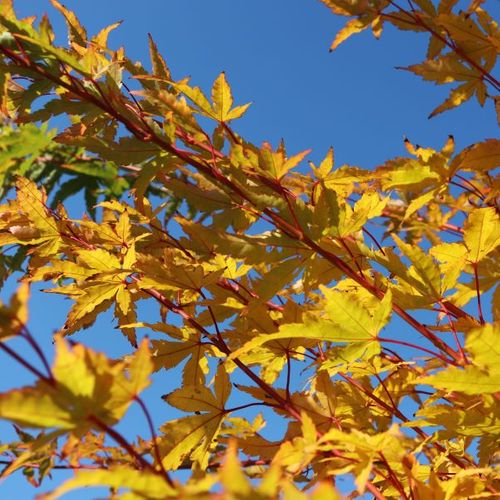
(259, 269)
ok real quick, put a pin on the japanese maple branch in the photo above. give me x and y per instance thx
(394, 478)
(222, 346)
(454, 331)
(455, 48)
(127, 446)
(394, 213)
(248, 405)
(27, 335)
(473, 186)
(374, 491)
(388, 394)
(396, 412)
(216, 174)
(340, 264)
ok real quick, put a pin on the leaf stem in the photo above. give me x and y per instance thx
(153, 438)
(248, 405)
(421, 348)
(478, 293)
(370, 235)
(29, 338)
(454, 331)
(474, 187)
(27, 365)
(141, 461)
(288, 376)
(393, 477)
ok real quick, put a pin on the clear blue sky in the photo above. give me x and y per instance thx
(275, 54)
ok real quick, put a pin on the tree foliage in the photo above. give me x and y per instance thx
(262, 271)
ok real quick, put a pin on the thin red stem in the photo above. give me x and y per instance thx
(288, 376)
(153, 438)
(141, 461)
(374, 491)
(475, 188)
(420, 348)
(218, 176)
(27, 365)
(380, 402)
(393, 477)
(389, 395)
(478, 293)
(248, 405)
(370, 235)
(454, 331)
(27, 335)
(470, 191)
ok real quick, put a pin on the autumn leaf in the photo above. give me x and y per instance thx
(85, 386)
(246, 271)
(481, 233)
(483, 377)
(478, 157)
(77, 33)
(351, 28)
(140, 483)
(31, 223)
(14, 317)
(195, 436)
(329, 331)
(222, 100)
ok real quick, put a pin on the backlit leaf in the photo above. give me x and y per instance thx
(482, 233)
(142, 483)
(221, 97)
(481, 378)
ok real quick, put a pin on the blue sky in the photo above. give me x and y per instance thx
(275, 54)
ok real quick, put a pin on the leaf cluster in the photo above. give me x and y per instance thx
(276, 288)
